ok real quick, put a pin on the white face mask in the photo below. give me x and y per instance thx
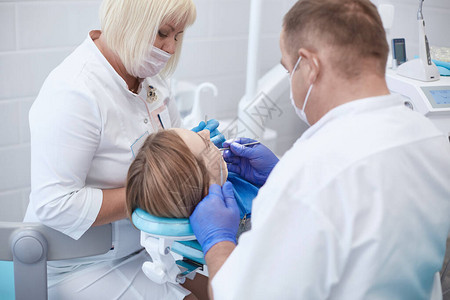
(153, 63)
(300, 112)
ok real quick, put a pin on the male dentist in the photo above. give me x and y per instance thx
(359, 207)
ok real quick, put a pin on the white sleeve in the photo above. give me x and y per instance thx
(293, 254)
(65, 131)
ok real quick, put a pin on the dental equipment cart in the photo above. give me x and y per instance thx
(431, 99)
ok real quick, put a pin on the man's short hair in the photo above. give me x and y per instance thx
(352, 28)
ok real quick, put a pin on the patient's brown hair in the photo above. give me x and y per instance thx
(166, 179)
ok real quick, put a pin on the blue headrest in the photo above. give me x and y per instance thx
(161, 226)
(244, 192)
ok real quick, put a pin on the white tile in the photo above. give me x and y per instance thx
(405, 26)
(439, 3)
(7, 27)
(15, 170)
(22, 73)
(55, 24)
(204, 58)
(288, 4)
(25, 200)
(438, 26)
(231, 18)
(11, 204)
(9, 123)
(201, 27)
(24, 108)
(271, 55)
(272, 17)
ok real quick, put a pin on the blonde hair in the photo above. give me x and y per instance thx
(130, 27)
(352, 27)
(166, 179)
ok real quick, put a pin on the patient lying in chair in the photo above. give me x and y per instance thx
(172, 173)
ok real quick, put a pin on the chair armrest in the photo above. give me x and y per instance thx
(97, 240)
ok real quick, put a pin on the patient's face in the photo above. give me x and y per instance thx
(201, 146)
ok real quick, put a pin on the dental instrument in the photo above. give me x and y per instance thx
(248, 144)
(221, 173)
(421, 68)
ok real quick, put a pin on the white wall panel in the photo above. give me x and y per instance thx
(231, 18)
(23, 72)
(55, 24)
(212, 57)
(15, 167)
(9, 202)
(24, 125)
(7, 27)
(9, 115)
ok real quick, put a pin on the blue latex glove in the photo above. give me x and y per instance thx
(253, 163)
(216, 217)
(216, 137)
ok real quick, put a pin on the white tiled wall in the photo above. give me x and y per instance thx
(35, 36)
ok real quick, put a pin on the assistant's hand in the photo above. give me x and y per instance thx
(216, 137)
(216, 217)
(253, 163)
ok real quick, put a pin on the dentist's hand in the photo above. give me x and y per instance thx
(216, 137)
(253, 163)
(216, 217)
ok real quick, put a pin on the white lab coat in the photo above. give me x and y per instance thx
(85, 125)
(358, 208)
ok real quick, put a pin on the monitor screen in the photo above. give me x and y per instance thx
(438, 96)
(441, 96)
(400, 53)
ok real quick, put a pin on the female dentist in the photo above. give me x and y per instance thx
(91, 116)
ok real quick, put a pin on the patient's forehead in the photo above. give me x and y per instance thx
(192, 139)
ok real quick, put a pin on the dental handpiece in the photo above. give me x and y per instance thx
(248, 144)
(419, 12)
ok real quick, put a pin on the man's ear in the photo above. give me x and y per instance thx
(316, 68)
(312, 65)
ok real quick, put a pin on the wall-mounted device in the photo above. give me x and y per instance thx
(398, 52)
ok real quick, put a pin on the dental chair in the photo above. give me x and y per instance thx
(165, 240)
(171, 243)
(25, 249)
